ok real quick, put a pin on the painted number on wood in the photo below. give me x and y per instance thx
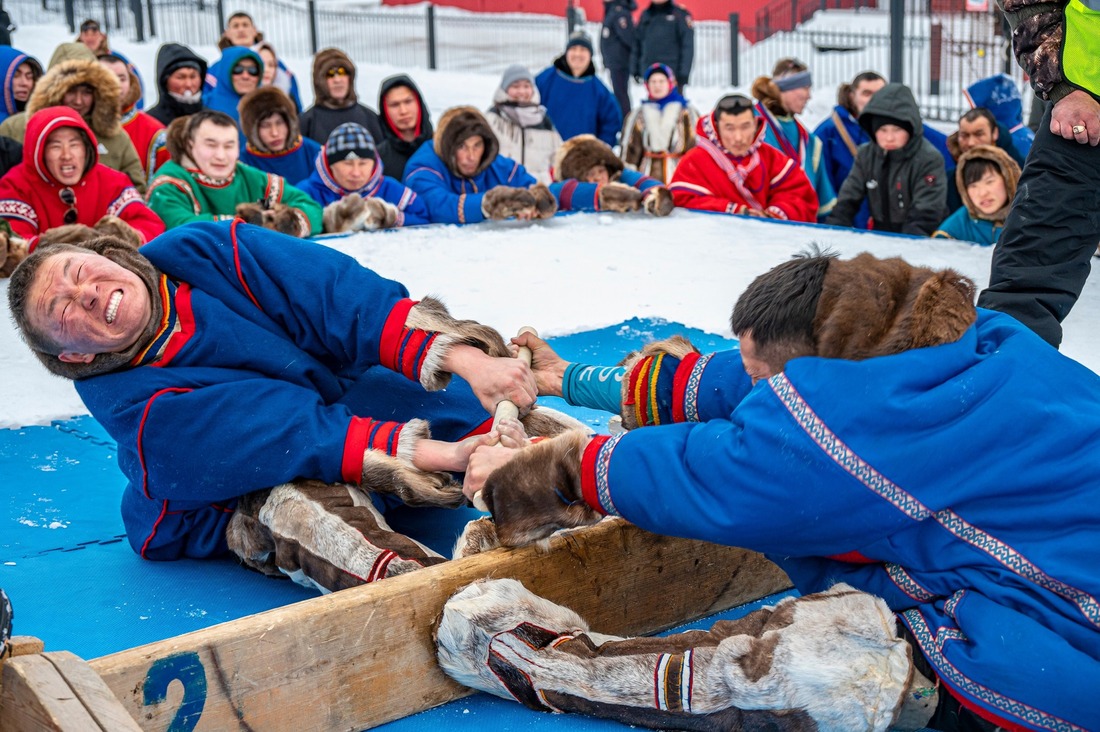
(188, 670)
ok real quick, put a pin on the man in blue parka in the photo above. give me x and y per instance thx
(576, 100)
(463, 180)
(1001, 96)
(20, 73)
(236, 73)
(259, 387)
(861, 434)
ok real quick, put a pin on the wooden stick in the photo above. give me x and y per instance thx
(506, 409)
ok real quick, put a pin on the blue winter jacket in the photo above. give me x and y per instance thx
(452, 199)
(10, 60)
(838, 159)
(1000, 95)
(579, 105)
(296, 164)
(221, 96)
(964, 227)
(573, 195)
(958, 482)
(324, 189)
(271, 358)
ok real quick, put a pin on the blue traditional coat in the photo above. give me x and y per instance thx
(270, 361)
(295, 164)
(453, 199)
(575, 195)
(959, 483)
(961, 225)
(789, 136)
(324, 189)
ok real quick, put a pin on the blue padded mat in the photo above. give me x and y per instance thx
(76, 583)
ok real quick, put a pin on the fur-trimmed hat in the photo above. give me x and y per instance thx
(261, 103)
(50, 92)
(330, 58)
(579, 154)
(350, 141)
(1010, 171)
(457, 125)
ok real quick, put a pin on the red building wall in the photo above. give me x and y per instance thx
(700, 9)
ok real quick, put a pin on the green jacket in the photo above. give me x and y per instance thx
(180, 196)
(1057, 68)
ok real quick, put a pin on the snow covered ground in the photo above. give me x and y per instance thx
(566, 275)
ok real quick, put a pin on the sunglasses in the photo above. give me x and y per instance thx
(734, 104)
(336, 71)
(68, 197)
(242, 69)
(89, 27)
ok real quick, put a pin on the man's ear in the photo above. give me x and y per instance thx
(996, 133)
(73, 357)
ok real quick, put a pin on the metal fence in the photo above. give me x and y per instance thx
(942, 49)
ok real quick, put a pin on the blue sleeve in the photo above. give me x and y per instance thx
(596, 387)
(444, 205)
(638, 180)
(573, 195)
(507, 172)
(327, 303)
(609, 116)
(542, 82)
(406, 200)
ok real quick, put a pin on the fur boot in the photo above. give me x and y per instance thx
(545, 203)
(431, 315)
(829, 661)
(504, 202)
(657, 201)
(620, 197)
(525, 505)
(675, 347)
(355, 213)
(119, 229)
(479, 535)
(323, 536)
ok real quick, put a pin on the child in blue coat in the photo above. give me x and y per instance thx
(986, 177)
(273, 139)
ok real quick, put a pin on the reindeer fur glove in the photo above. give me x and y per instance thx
(504, 202)
(119, 229)
(539, 491)
(395, 475)
(545, 203)
(13, 250)
(620, 197)
(278, 217)
(355, 213)
(657, 201)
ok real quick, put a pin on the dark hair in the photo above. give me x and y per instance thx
(975, 169)
(220, 119)
(732, 104)
(239, 14)
(89, 25)
(844, 91)
(788, 65)
(112, 58)
(780, 306)
(980, 113)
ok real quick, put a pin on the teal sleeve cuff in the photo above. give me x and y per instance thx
(596, 387)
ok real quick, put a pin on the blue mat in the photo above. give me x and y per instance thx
(76, 584)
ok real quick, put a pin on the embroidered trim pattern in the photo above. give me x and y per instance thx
(907, 584)
(691, 391)
(603, 470)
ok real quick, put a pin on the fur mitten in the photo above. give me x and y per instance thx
(13, 250)
(672, 350)
(539, 491)
(620, 197)
(67, 234)
(119, 229)
(355, 213)
(504, 202)
(279, 217)
(251, 213)
(395, 475)
(657, 201)
(545, 203)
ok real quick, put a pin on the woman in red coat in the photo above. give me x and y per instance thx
(60, 183)
(732, 170)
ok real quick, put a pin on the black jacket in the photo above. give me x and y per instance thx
(905, 189)
(617, 37)
(394, 151)
(665, 34)
(318, 122)
(167, 108)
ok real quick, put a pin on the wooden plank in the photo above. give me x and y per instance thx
(361, 657)
(58, 691)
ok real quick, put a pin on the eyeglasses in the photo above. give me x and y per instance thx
(734, 104)
(89, 27)
(336, 71)
(242, 69)
(68, 197)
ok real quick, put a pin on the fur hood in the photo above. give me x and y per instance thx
(75, 51)
(40, 125)
(177, 144)
(10, 60)
(876, 307)
(577, 155)
(457, 125)
(258, 104)
(326, 59)
(1009, 170)
(51, 88)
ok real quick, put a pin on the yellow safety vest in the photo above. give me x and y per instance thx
(1081, 49)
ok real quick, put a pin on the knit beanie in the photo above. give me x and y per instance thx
(878, 120)
(349, 141)
(514, 73)
(186, 63)
(659, 68)
(579, 38)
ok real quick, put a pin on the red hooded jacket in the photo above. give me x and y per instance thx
(709, 178)
(30, 197)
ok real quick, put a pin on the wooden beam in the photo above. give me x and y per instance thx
(365, 656)
(58, 691)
